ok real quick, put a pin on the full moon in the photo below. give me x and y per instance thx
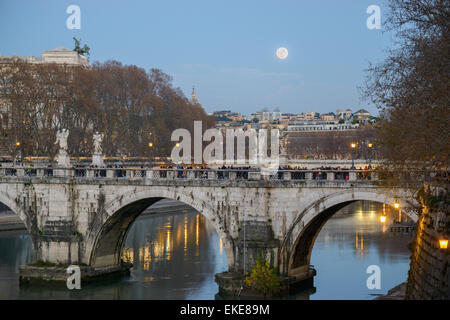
(282, 53)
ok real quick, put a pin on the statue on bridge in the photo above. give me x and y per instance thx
(98, 138)
(284, 149)
(61, 140)
(97, 157)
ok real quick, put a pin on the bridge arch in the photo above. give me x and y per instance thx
(298, 244)
(106, 239)
(30, 220)
(18, 210)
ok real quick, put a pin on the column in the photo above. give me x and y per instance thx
(330, 175)
(286, 175)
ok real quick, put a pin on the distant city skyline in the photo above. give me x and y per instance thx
(275, 109)
(226, 50)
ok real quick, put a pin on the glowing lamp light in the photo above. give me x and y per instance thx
(443, 243)
(370, 145)
(150, 144)
(382, 219)
(18, 144)
(353, 145)
(177, 145)
(396, 205)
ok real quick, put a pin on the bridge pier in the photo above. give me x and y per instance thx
(58, 246)
(257, 241)
(59, 243)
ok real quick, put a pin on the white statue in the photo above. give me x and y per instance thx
(98, 138)
(283, 143)
(284, 148)
(97, 157)
(61, 139)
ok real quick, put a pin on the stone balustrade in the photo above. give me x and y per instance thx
(188, 174)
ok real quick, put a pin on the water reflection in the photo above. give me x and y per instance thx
(177, 254)
(351, 241)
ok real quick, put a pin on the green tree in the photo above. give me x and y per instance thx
(263, 277)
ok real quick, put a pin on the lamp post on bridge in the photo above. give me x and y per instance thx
(150, 146)
(150, 162)
(397, 206)
(18, 153)
(353, 146)
(370, 145)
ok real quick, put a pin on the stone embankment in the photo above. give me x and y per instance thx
(396, 293)
(429, 273)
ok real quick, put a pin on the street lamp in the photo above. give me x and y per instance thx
(443, 243)
(382, 218)
(397, 206)
(370, 145)
(150, 164)
(18, 155)
(353, 146)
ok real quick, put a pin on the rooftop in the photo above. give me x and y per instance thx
(59, 49)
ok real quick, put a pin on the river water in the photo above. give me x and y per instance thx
(177, 254)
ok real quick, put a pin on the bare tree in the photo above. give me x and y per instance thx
(128, 105)
(411, 88)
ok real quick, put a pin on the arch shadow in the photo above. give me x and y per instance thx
(29, 221)
(12, 205)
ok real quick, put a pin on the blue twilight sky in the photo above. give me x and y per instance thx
(226, 49)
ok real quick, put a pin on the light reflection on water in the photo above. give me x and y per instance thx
(176, 256)
(350, 242)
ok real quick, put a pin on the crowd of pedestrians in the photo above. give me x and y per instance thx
(201, 171)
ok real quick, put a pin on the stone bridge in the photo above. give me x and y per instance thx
(82, 216)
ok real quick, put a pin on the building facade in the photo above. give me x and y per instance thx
(59, 55)
(322, 126)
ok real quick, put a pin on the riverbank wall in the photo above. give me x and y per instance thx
(429, 273)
